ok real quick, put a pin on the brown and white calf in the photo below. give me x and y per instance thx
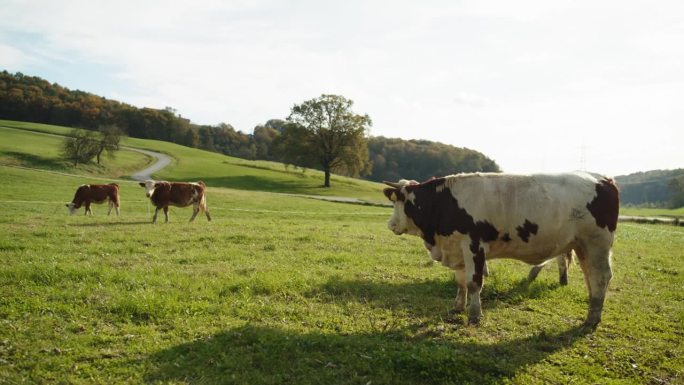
(179, 194)
(470, 218)
(95, 193)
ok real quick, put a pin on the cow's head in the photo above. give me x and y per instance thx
(399, 193)
(72, 208)
(149, 186)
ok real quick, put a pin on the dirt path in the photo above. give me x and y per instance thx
(162, 161)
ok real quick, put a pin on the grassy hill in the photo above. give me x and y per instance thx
(191, 164)
(33, 149)
(281, 289)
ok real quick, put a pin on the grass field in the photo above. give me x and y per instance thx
(32, 149)
(282, 289)
(279, 289)
(646, 212)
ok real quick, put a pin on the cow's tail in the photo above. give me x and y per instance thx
(203, 199)
(203, 202)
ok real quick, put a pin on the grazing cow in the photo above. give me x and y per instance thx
(469, 218)
(165, 194)
(95, 193)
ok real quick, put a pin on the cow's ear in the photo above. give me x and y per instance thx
(141, 184)
(390, 193)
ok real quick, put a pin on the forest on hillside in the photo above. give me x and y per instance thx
(656, 188)
(32, 99)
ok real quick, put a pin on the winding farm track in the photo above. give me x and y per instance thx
(163, 160)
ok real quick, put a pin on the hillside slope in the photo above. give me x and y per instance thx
(216, 170)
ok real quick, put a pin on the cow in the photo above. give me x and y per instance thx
(95, 193)
(469, 218)
(180, 194)
(563, 260)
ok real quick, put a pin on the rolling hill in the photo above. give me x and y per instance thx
(36, 145)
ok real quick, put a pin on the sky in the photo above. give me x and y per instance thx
(536, 85)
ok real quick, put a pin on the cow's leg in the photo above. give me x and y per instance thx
(195, 210)
(563, 262)
(474, 258)
(166, 214)
(203, 207)
(117, 210)
(582, 258)
(485, 270)
(461, 294)
(598, 273)
(154, 217)
(111, 206)
(87, 209)
(534, 271)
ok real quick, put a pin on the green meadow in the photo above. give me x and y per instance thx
(214, 169)
(281, 289)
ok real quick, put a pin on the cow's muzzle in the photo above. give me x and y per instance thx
(393, 228)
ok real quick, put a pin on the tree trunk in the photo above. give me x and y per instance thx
(98, 155)
(326, 170)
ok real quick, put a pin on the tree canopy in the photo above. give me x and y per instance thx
(324, 132)
(394, 159)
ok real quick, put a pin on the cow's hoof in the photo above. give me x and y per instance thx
(454, 317)
(590, 325)
(455, 312)
(473, 320)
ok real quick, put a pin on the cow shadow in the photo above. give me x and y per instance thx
(267, 355)
(430, 298)
(109, 224)
(256, 183)
(37, 161)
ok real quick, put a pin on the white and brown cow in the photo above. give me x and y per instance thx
(179, 194)
(469, 218)
(95, 193)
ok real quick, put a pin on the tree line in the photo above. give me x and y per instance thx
(655, 188)
(322, 133)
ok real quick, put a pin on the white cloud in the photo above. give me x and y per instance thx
(524, 82)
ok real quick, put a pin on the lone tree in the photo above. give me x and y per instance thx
(80, 146)
(325, 133)
(108, 140)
